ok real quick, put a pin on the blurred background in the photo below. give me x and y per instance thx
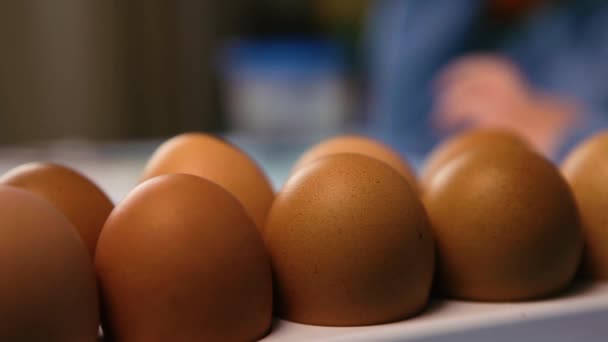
(134, 69)
(407, 72)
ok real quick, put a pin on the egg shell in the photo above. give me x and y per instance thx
(505, 224)
(48, 290)
(360, 145)
(73, 194)
(586, 169)
(350, 244)
(454, 146)
(209, 157)
(180, 260)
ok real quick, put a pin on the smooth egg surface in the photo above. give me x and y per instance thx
(505, 224)
(72, 193)
(48, 290)
(214, 159)
(586, 169)
(179, 259)
(456, 145)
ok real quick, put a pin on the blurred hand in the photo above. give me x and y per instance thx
(490, 91)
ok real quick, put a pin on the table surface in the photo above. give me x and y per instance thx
(580, 314)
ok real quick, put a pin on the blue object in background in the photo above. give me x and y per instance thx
(285, 88)
(561, 48)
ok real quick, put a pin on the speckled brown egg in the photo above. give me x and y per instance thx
(214, 159)
(454, 146)
(360, 145)
(48, 290)
(76, 196)
(505, 224)
(586, 169)
(180, 260)
(349, 243)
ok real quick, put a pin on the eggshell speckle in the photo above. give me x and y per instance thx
(360, 145)
(349, 243)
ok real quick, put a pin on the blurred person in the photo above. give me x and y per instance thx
(534, 67)
(489, 91)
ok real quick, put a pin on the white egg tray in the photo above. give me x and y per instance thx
(580, 314)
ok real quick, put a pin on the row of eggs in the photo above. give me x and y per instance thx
(203, 248)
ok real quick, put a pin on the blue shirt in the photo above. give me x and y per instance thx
(562, 48)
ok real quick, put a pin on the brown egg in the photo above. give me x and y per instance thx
(180, 260)
(360, 145)
(349, 243)
(505, 224)
(586, 169)
(77, 197)
(459, 144)
(220, 162)
(48, 290)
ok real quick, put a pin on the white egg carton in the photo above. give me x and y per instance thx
(580, 314)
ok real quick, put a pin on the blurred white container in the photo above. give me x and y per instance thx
(286, 88)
